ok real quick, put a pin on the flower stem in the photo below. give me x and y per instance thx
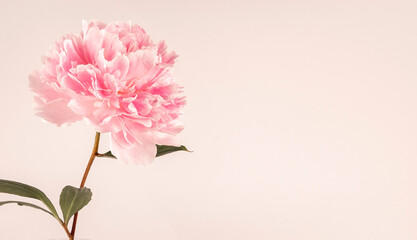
(65, 228)
(94, 153)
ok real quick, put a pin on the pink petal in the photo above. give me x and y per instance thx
(93, 41)
(118, 67)
(56, 112)
(137, 153)
(42, 89)
(167, 57)
(83, 105)
(140, 63)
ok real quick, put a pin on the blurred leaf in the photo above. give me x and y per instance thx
(26, 204)
(25, 190)
(72, 200)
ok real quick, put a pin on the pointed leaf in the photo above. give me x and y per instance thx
(163, 149)
(72, 200)
(25, 190)
(107, 154)
(160, 151)
(26, 204)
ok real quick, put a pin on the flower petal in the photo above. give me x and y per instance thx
(56, 112)
(137, 153)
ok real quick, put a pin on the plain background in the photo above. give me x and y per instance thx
(301, 114)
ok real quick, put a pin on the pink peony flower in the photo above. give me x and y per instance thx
(115, 77)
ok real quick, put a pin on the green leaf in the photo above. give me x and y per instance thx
(25, 190)
(163, 149)
(26, 204)
(72, 200)
(107, 154)
(160, 151)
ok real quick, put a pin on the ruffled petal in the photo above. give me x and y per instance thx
(83, 105)
(137, 153)
(43, 90)
(93, 41)
(166, 57)
(56, 112)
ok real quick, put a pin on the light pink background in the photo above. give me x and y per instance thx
(302, 116)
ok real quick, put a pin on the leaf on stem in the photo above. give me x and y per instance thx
(72, 200)
(107, 154)
(160, 151)
(25, 190)
(164, 149)
(27, 205)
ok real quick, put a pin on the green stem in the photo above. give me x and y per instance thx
(94, 153)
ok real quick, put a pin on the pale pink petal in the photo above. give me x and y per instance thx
(93, 41)
(140, 63)
(73, 51)
(56, 112)
(137, 153)
(83, 105)
(42, 89)
(118, 67)
(112, 46)
(71, 82)
(162, 138)
(173, 128)
(166, 57)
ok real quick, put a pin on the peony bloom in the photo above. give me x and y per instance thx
(117, 79)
